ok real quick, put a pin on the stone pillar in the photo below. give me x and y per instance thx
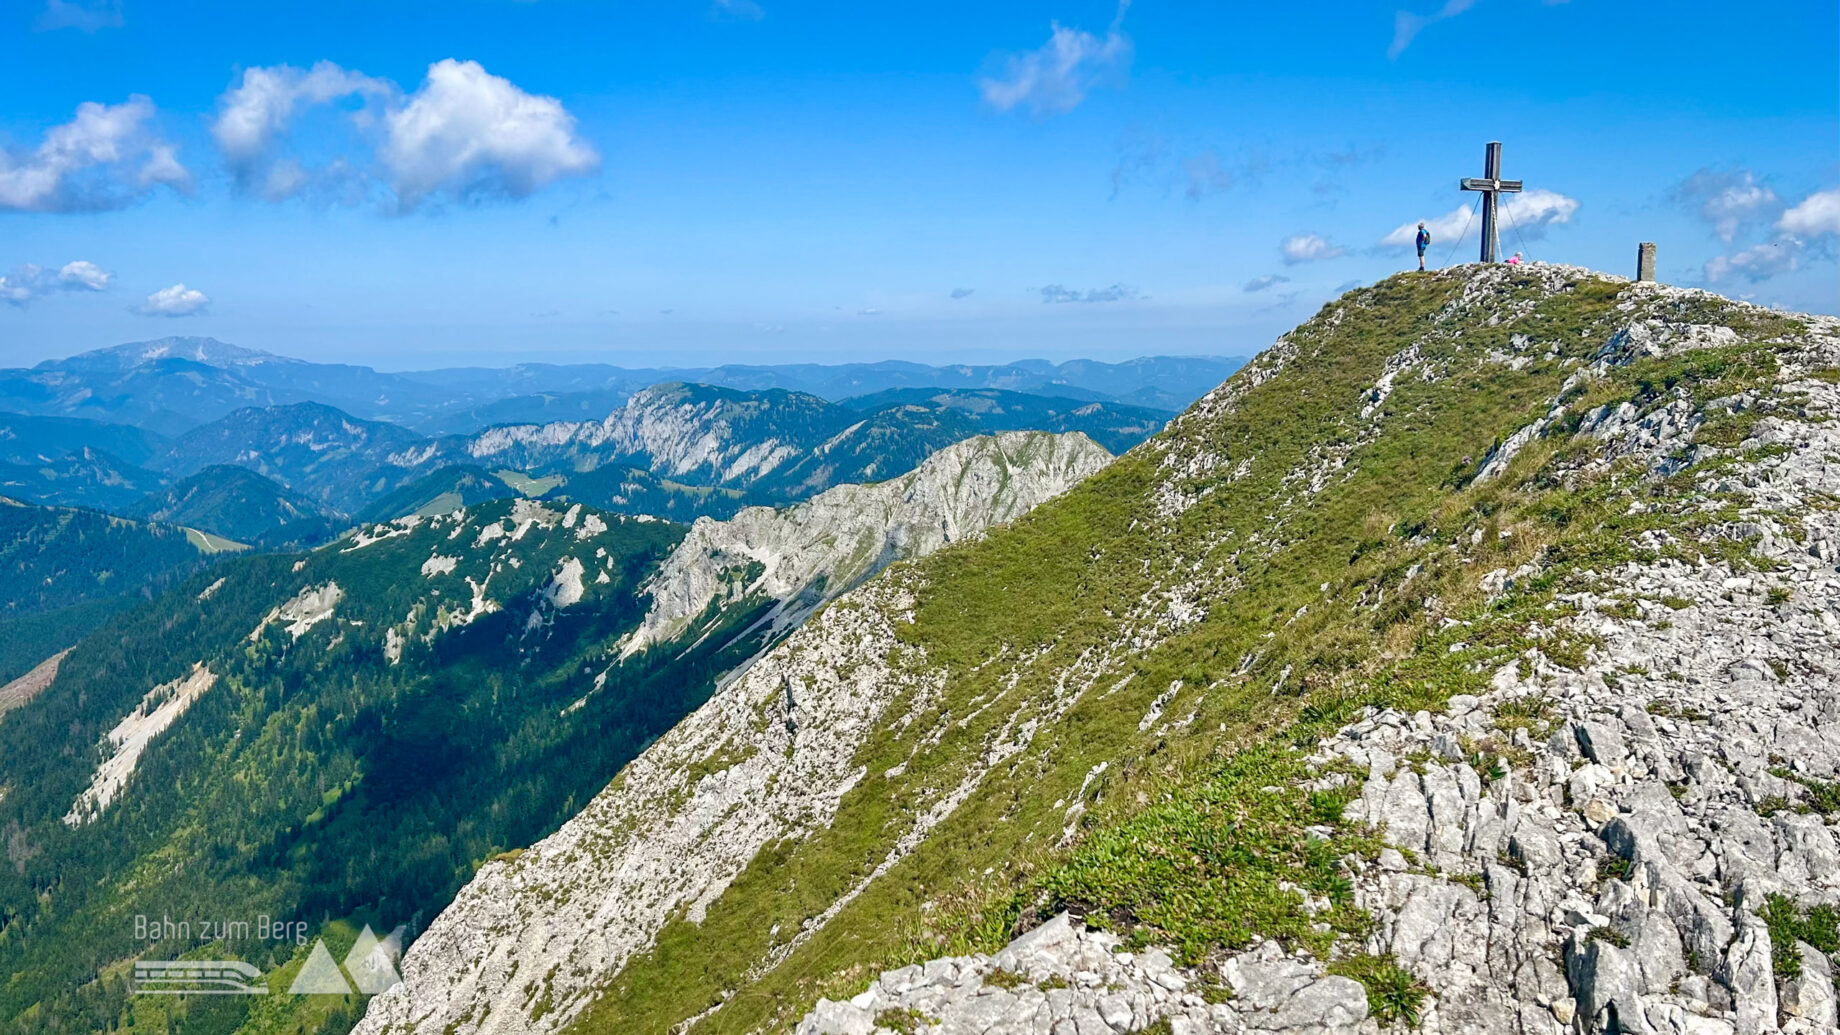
(1645, 261)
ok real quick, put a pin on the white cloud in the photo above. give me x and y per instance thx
(1115, 293)
(254, 117)
(1530, 212)
(1443, 228)
(1800, 231)
(1265, 283)
(1814, 216)
(1728, 200)
(1760, 262)
(1537, 209)
(105, 157)
(1308, 248)
(79, 15)
(1054, 79)
(31, 281)
(470, 134)
(1407, 26)
(84, 276)
(177, 300)
(465, 134)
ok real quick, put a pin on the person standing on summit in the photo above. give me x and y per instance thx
(1424, 241)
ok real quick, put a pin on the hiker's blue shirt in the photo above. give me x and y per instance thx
(1424, 238)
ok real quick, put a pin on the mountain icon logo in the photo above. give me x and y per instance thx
(371, 964)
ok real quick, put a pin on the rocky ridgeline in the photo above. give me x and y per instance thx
(678, 431)
(1582, 849)
(810, 553)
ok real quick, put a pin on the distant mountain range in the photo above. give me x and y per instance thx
(674, 450)
(131, 429)
(171, 385)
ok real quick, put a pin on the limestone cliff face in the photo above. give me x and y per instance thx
(807, 554)
(1587, 527)
(721, 435)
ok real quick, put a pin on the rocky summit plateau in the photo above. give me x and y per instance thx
(1468, 662)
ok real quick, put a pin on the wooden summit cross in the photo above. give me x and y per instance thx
(1491, 185)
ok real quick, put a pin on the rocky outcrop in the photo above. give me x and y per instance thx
(158, 709)
(1062, 978)
(717, 434)
(803, 556)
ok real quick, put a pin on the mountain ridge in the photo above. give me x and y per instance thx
(1409, 506)
(172, 384)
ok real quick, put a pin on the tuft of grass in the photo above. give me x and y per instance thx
(1609, 934)
(1789, 923)
(1393, 994)
(1614, 867)
(904, 1019)
(1534, 712)
(1005, 979)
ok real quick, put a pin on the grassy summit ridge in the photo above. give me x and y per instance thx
(1110, 686)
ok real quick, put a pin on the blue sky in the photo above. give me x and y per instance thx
(407, 183)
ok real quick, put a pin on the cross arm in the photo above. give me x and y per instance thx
(1504, 186)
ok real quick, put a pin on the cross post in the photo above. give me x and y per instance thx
(1491, 185)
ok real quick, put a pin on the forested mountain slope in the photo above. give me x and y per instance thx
(342, 736)
(26, 440)
(85, 477)
(239, 504)
(1467, 659)
(64, 570)
(1115, 426)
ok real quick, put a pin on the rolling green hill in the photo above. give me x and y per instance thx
(241, 505)
(444, 490)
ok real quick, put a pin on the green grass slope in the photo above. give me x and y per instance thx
(1122, 680)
